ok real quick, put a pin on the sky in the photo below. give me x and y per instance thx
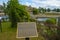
(38, 3)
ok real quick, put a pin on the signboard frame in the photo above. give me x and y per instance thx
(28, 36)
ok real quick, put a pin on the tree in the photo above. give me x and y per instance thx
(35, 11)
(42, 10)
(39, 9)
(54, 9)
(57, 10)
(51, 32)
(24, 15)
(1, 7)
(16, 12)
(4, 8)
(48, 10)
(51, 21)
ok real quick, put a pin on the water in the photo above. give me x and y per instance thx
(42, 19)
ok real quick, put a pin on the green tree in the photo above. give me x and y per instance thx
(35, 11)
(4, 8)
(54, 9)
(51, 21)
(39, 9)
(48, 10)
(57, 10)
(1, 7)
(16, 12)
(42, 10)
(51, 32)
(24, 15)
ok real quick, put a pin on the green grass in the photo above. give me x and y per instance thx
(9, 33)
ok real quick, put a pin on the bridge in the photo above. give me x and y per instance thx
(47, 15)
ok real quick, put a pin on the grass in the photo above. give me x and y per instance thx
(9, 33)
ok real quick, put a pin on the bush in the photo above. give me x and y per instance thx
(51, 21)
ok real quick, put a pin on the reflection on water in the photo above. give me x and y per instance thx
(42, 19)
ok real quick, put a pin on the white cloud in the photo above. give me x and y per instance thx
(43, 3)
(32, 4)
(47, 2)
(52, 3)
(27, 3)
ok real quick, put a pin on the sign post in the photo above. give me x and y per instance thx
(26, 38)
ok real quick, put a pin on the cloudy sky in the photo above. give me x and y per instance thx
(39, 3)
